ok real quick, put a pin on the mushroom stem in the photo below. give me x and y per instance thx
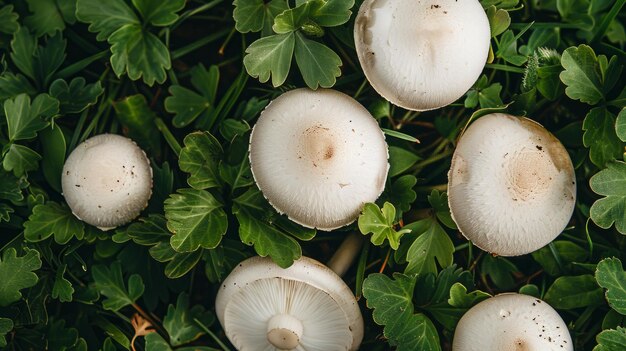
(345, 254)
(284, 331)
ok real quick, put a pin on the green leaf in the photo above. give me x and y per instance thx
(567, 251)
(460, 298)
(432, 243)
(439, 202)
(182, 263)
(318, 64)
(582, 74)
(499, 20)
(257, 15)
(186, 104)
(255, 228)
(53, 219)
(61, 338)
(10, 187)
(54, 148)
(401, 193)
(105, 17)
(611, 340)
(200, 158)
(611, 276)
(380, 222)
(620, 125)
(147, 231)
(140, 54)
(77, 96)
(293, 19)
(500, 270)
(12, 85)
(600, 137)
(23, 48)
(20, 160)
(24, 119)
(16, 273)
(8, 21)
(507, 49)
(110, 283)
(196, 218)
(270, 56)
(5, 212)
(571, 292)
(159, 13)
(138, 119)
(610, 182)
(179, 321)
(399, 135)
(37, 62)
(62, 288)
(400, 160)
(46, 17)
(392, 302)
(6, 325)
(331, 13)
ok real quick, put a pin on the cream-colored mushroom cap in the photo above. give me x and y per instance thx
(512, 322)
(304, 307)
(422, 55)
(318, 156)
(107, 181)
(511, 186)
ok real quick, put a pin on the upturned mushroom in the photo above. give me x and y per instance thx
(422, 55)
(318, 156)
(262, 306)
(511, 186)
(512, 322)
(107, 181)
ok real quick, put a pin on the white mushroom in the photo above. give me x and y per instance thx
(304, 307)
(511, 186)
(512, 322)
(422, 55)
(107, 181)
(318, 156)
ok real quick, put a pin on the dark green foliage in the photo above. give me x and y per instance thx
(175, 77)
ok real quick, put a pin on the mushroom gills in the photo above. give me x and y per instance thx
(284, 331)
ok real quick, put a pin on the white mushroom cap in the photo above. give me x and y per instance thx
(511, 186)
(304, 307)
(422, 55)
(107, 181)
(318, 156)
(512, 322)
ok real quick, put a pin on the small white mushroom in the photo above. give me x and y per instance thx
(107, 181)
(318, 156)
(422, 55)
(512, 322)
(511, 186)
(262, 306)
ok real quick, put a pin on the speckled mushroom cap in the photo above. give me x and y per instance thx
(107, 181)
(422, 54)
(511, 186)
(304, 307)
(512, 322)
(318, 156)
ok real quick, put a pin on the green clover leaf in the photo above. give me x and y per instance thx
(16, 273)
(53, 219)
(611, 276)
(110, 283)
(392, 302)
(270, 56)
(196, 218)
(611, 183)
